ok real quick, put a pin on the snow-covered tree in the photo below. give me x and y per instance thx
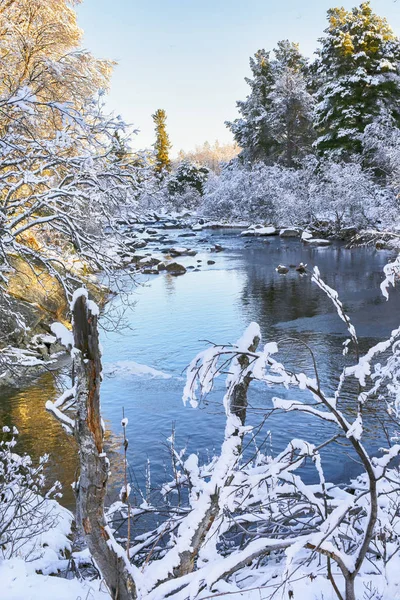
(40, 49)
(292, 114)
(27, 505)
(252, 131)
(186, 175)
(358, 77)
(320, 190)
(57, 192)
(276, 117)
(381, 150)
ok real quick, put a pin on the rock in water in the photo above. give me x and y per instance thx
(175, 269)
(282, 270)
(301, 268)
(290, 232)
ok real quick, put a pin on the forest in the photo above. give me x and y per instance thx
(266, 467)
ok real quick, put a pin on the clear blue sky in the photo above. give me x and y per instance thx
(190, 57)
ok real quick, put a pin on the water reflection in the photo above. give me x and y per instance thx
(40, 433)
(171, 319)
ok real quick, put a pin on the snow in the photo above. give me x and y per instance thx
(78, 294)
(356, 429)
(128, 368)
(64, 335)
(391, 271)
(259, 231)
(19, 581)
(316, 241)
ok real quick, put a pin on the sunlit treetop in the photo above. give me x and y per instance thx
(357, 78)
(358, 31)
(40, 48)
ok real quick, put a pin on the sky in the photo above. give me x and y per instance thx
(190, 57)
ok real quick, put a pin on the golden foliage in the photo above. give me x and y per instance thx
(28, 238)
(39, 47)
(359, 30)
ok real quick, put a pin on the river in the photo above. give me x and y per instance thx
(169, 320)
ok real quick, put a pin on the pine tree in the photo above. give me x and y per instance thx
(162, 144)
(357, 73)
(276, 122)
(291, 105)
(252, 132)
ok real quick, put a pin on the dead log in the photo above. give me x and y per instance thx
(94, 466)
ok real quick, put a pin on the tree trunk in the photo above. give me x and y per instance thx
(238, 407)
(350, 591)
(109, 556)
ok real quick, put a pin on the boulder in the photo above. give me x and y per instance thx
(282, 269)
(170, 226)
(175, 269)
(290, 232)
(211, 262)
(149, 261)
(178, 251)
(137, 243)
(150, 271)
(262, 231)
(136, 258)
(259, 230)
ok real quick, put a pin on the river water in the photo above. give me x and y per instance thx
(169, 320)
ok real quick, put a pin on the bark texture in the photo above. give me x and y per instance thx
(238, 407)
(109, 556)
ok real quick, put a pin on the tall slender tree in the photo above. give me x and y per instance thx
(252, 131)
(292, 105)
(276, 117)
(162, 144)
(358, 79)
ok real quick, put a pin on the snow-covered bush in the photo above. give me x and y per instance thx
(341, 193)
(30, 516)
(188, 175)
(345, 194)
(243, 193)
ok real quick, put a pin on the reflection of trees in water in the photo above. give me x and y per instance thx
(170, 284)
(274, 298)
(40, 433)
(270, 299)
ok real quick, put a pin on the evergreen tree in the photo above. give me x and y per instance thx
(252, 132)
(292, 105)
(357, 72)
(188, 175)
(276, 122)
(162, 144)
(288, 56)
